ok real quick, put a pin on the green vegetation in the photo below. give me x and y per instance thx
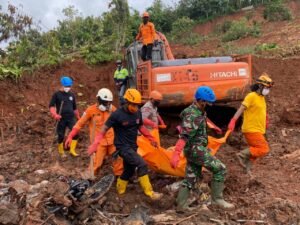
(240, 29)
(101, 38)
(276, 11)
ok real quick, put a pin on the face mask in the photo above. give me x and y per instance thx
(104, 108)
(119, 67)
(132, 108)
(67, 89)
(265, 91)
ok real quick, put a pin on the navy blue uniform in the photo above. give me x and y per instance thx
(126, 126)
(67, 112)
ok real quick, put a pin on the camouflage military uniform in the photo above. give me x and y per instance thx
(195, 134)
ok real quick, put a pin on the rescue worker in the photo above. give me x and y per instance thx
(193, 139)
(126, 121)
(120, 78)
(151, 118)
(95, 116)
(63, 109)
(147, 36)
(255, 122)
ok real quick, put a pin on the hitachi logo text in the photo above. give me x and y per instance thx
(223, 74)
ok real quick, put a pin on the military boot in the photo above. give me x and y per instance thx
(217, 196)
(182, 199)
(244, 159)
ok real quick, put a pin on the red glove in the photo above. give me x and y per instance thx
(160, 120)
(267, 121)
(231, 124)
(76, 112)
(70, 137)
(150, 123)
(93, 147)
(144, 131)
(218, 130)
(54, 114)
(178, 149)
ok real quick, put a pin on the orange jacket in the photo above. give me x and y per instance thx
(146, 33)
(94, 115)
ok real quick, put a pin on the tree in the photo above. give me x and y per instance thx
(12, 23)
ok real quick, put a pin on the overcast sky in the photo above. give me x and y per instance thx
(49, 11)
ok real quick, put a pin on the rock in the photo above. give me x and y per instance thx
(80, 94)
(40, 172)
(9, 214)
(20, 186)
(2, 179)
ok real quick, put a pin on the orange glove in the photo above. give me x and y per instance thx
(162, 126)
(231, 124)
(70, 137)
(178, 149)
(93, 147)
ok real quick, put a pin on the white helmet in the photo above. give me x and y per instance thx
(105, 94)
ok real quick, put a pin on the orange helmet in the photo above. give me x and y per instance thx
(156, 95)
(133, 96)
(265, 80)
(145, 14)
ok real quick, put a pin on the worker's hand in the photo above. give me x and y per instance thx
(57, 117)
(231, 124)
(154, 144)
(175, 160)
(218, 130)
(68, 142)
(162, 126)
(92, 148)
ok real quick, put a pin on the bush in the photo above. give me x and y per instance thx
(223, 28)
(182, 32)
(276, 11)
(240, 29)
(266, 47)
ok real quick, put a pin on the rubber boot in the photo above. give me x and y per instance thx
(61, 150)
(244, 159)
(147, 187)
(73, 147)
(121, 186)
(217, 196)
(182, 199)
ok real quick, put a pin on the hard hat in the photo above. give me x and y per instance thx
(265, 80)
(118, 61)
(156, 95)
(133, 96)
(205, 93)
(66, 81)
(145, 14)
(105, 94)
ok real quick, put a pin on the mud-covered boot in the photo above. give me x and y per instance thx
(217, 196)
(73, 148)
(61, 150)
(244, 159)
(182, 199)
(121, 186)
(147, 187)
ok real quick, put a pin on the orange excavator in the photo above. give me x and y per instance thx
(177, 79)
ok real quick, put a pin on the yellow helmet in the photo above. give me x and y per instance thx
(265, 80)
(133, 96)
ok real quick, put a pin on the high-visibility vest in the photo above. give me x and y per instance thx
(121, 74)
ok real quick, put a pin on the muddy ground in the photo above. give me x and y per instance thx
(27, 134)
